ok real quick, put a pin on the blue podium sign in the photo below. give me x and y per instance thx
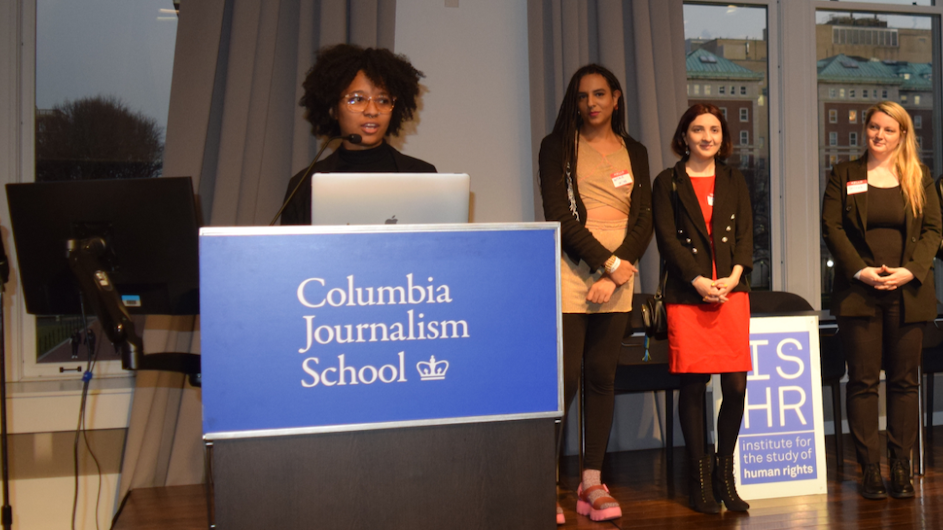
(781, 449)
(321, 329)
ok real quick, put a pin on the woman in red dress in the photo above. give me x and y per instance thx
(704, 230)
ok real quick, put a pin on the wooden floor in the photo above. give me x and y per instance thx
(651, 497)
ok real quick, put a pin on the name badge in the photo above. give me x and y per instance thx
(857, 186)
(710, 199)
(621, 178)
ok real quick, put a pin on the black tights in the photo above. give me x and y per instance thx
(591, 342)
(692, 411)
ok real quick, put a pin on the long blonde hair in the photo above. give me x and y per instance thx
(907, 159)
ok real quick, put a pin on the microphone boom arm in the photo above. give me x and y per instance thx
(352, 138)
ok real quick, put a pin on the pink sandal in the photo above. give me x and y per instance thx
(561, 519)
(583, 506)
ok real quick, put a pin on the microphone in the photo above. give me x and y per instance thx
(352, 138)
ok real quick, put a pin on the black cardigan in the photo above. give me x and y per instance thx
(686, 249)
(844, 227)
(298, 211)
(577, 241)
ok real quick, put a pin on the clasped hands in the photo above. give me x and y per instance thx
(885, 278)
(601, 291)
(715, 291)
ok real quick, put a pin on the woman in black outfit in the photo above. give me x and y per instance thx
(594, 180)
(351, 90)
(881, 222)
(704, 231)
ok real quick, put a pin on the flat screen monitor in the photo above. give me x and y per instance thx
(150, 227)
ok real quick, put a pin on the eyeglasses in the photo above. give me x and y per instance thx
(359, 102)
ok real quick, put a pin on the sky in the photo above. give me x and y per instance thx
(711, 22)
(122, 48)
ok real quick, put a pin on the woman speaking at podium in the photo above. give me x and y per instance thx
(881, 222)
(357, 92)
(594, 180)
(704, 230)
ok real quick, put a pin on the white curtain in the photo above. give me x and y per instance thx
(236, 129)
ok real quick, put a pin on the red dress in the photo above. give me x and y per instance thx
(709, 338)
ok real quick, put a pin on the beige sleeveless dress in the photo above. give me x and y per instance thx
(594, 174)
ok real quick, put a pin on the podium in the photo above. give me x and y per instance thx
(381, 376)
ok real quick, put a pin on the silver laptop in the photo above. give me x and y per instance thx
(388, 198)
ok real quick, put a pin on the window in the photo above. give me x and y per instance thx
(833, 115)
(896, 49)
(744, 101)
(689, 89)
(920, 142)
(880, 37)
(118, 79)
(832, 93)
(697, 90)
(707, 90)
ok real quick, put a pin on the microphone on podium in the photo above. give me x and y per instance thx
(352, 138)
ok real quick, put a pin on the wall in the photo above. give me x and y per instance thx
(475, 113)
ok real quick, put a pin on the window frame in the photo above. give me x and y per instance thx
(17, 134)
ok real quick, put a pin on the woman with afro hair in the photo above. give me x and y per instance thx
(369, 92)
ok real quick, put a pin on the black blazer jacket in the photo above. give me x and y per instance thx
(685, 245)
(844, 225)
(577, 241)
(298, 211)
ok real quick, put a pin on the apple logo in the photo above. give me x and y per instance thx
(392, 220)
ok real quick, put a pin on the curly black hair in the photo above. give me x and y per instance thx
(335, 68)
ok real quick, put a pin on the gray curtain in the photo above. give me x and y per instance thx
(642, 42)
(236, 128)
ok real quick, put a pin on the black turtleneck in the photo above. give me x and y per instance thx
(376, 160)
(381, 159)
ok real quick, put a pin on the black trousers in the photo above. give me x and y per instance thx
(865, 341)
(593, 342)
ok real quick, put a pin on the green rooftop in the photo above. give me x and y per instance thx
(702, 64)
(844, 69)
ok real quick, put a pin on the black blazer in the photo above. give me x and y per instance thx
(298, 211)
(686, 249)
(844, 225)
(577, 241)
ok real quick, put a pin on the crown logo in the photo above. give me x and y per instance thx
(432, 370)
